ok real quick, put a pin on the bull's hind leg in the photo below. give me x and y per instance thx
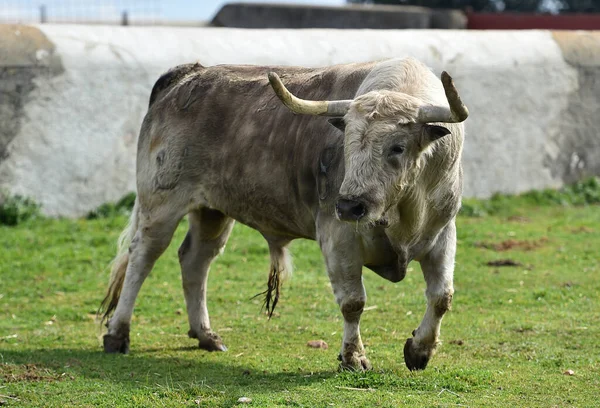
(152, 237)
(438, 271)
(206, 238)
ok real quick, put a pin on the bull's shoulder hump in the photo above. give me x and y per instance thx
(172, 77)
(290, 73)
(290, 69)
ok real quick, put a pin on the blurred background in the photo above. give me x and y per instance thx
(206, 12)
(76, 75)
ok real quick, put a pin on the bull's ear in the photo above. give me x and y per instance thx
(434, 132)
(338, 123)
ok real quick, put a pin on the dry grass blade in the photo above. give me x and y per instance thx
(355, 389)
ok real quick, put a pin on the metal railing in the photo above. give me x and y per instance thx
(124, 12)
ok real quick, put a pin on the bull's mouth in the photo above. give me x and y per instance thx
(382, 222)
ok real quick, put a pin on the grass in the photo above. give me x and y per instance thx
(511, 336)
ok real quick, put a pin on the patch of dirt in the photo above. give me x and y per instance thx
(582, 230)
(73, 362)
(511, 244)
(504, 262)
(29, 372)
(523, 329)
(457, 342)
(519, 218)
(318, 344)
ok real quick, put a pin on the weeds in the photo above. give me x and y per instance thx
(107, 210)
(585, 192)
(17, 209)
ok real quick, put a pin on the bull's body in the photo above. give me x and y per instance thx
(248, 155)
(217, 144)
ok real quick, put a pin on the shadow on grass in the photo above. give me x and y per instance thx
(187, 375)
(145, 367)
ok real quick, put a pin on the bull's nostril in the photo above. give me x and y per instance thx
(358, 211)
(350, 210)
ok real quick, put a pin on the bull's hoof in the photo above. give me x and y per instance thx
(354, 362)
(116, 344)
(209, 341)
(416, 358)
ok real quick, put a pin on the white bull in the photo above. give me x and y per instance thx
(378, 189)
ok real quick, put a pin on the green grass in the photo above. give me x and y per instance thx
(512, 333)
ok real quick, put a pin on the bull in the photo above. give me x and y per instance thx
(368, 164)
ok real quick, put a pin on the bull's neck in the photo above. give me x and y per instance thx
(407, 218)
(423, 210)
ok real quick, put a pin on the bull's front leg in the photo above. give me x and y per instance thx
(438, 271)
(344, 266)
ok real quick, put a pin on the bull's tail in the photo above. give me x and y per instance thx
(119, 265)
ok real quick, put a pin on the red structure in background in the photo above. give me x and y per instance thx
(517, 21)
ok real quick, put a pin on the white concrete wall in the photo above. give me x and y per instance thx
(76, 142)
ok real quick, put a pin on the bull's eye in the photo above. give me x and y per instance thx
(397, 149)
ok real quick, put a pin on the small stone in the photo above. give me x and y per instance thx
(569, 372)
(244, 400)
(319, 344)
(178, 312)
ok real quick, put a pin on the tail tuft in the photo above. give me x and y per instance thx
(117, 277)
(119, 267)
(281, 270)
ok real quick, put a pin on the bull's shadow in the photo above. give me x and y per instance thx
(192, 370)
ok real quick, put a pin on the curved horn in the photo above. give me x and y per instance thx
(458, 112)
(297, 105)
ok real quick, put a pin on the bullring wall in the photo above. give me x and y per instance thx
(72, 99)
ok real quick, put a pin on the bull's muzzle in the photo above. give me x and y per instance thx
(350, 210)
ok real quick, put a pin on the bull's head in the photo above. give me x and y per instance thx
(386, 134)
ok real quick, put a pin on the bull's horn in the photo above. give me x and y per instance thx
(458, 112)
(297, 105)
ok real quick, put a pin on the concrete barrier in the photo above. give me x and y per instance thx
(72, 99)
